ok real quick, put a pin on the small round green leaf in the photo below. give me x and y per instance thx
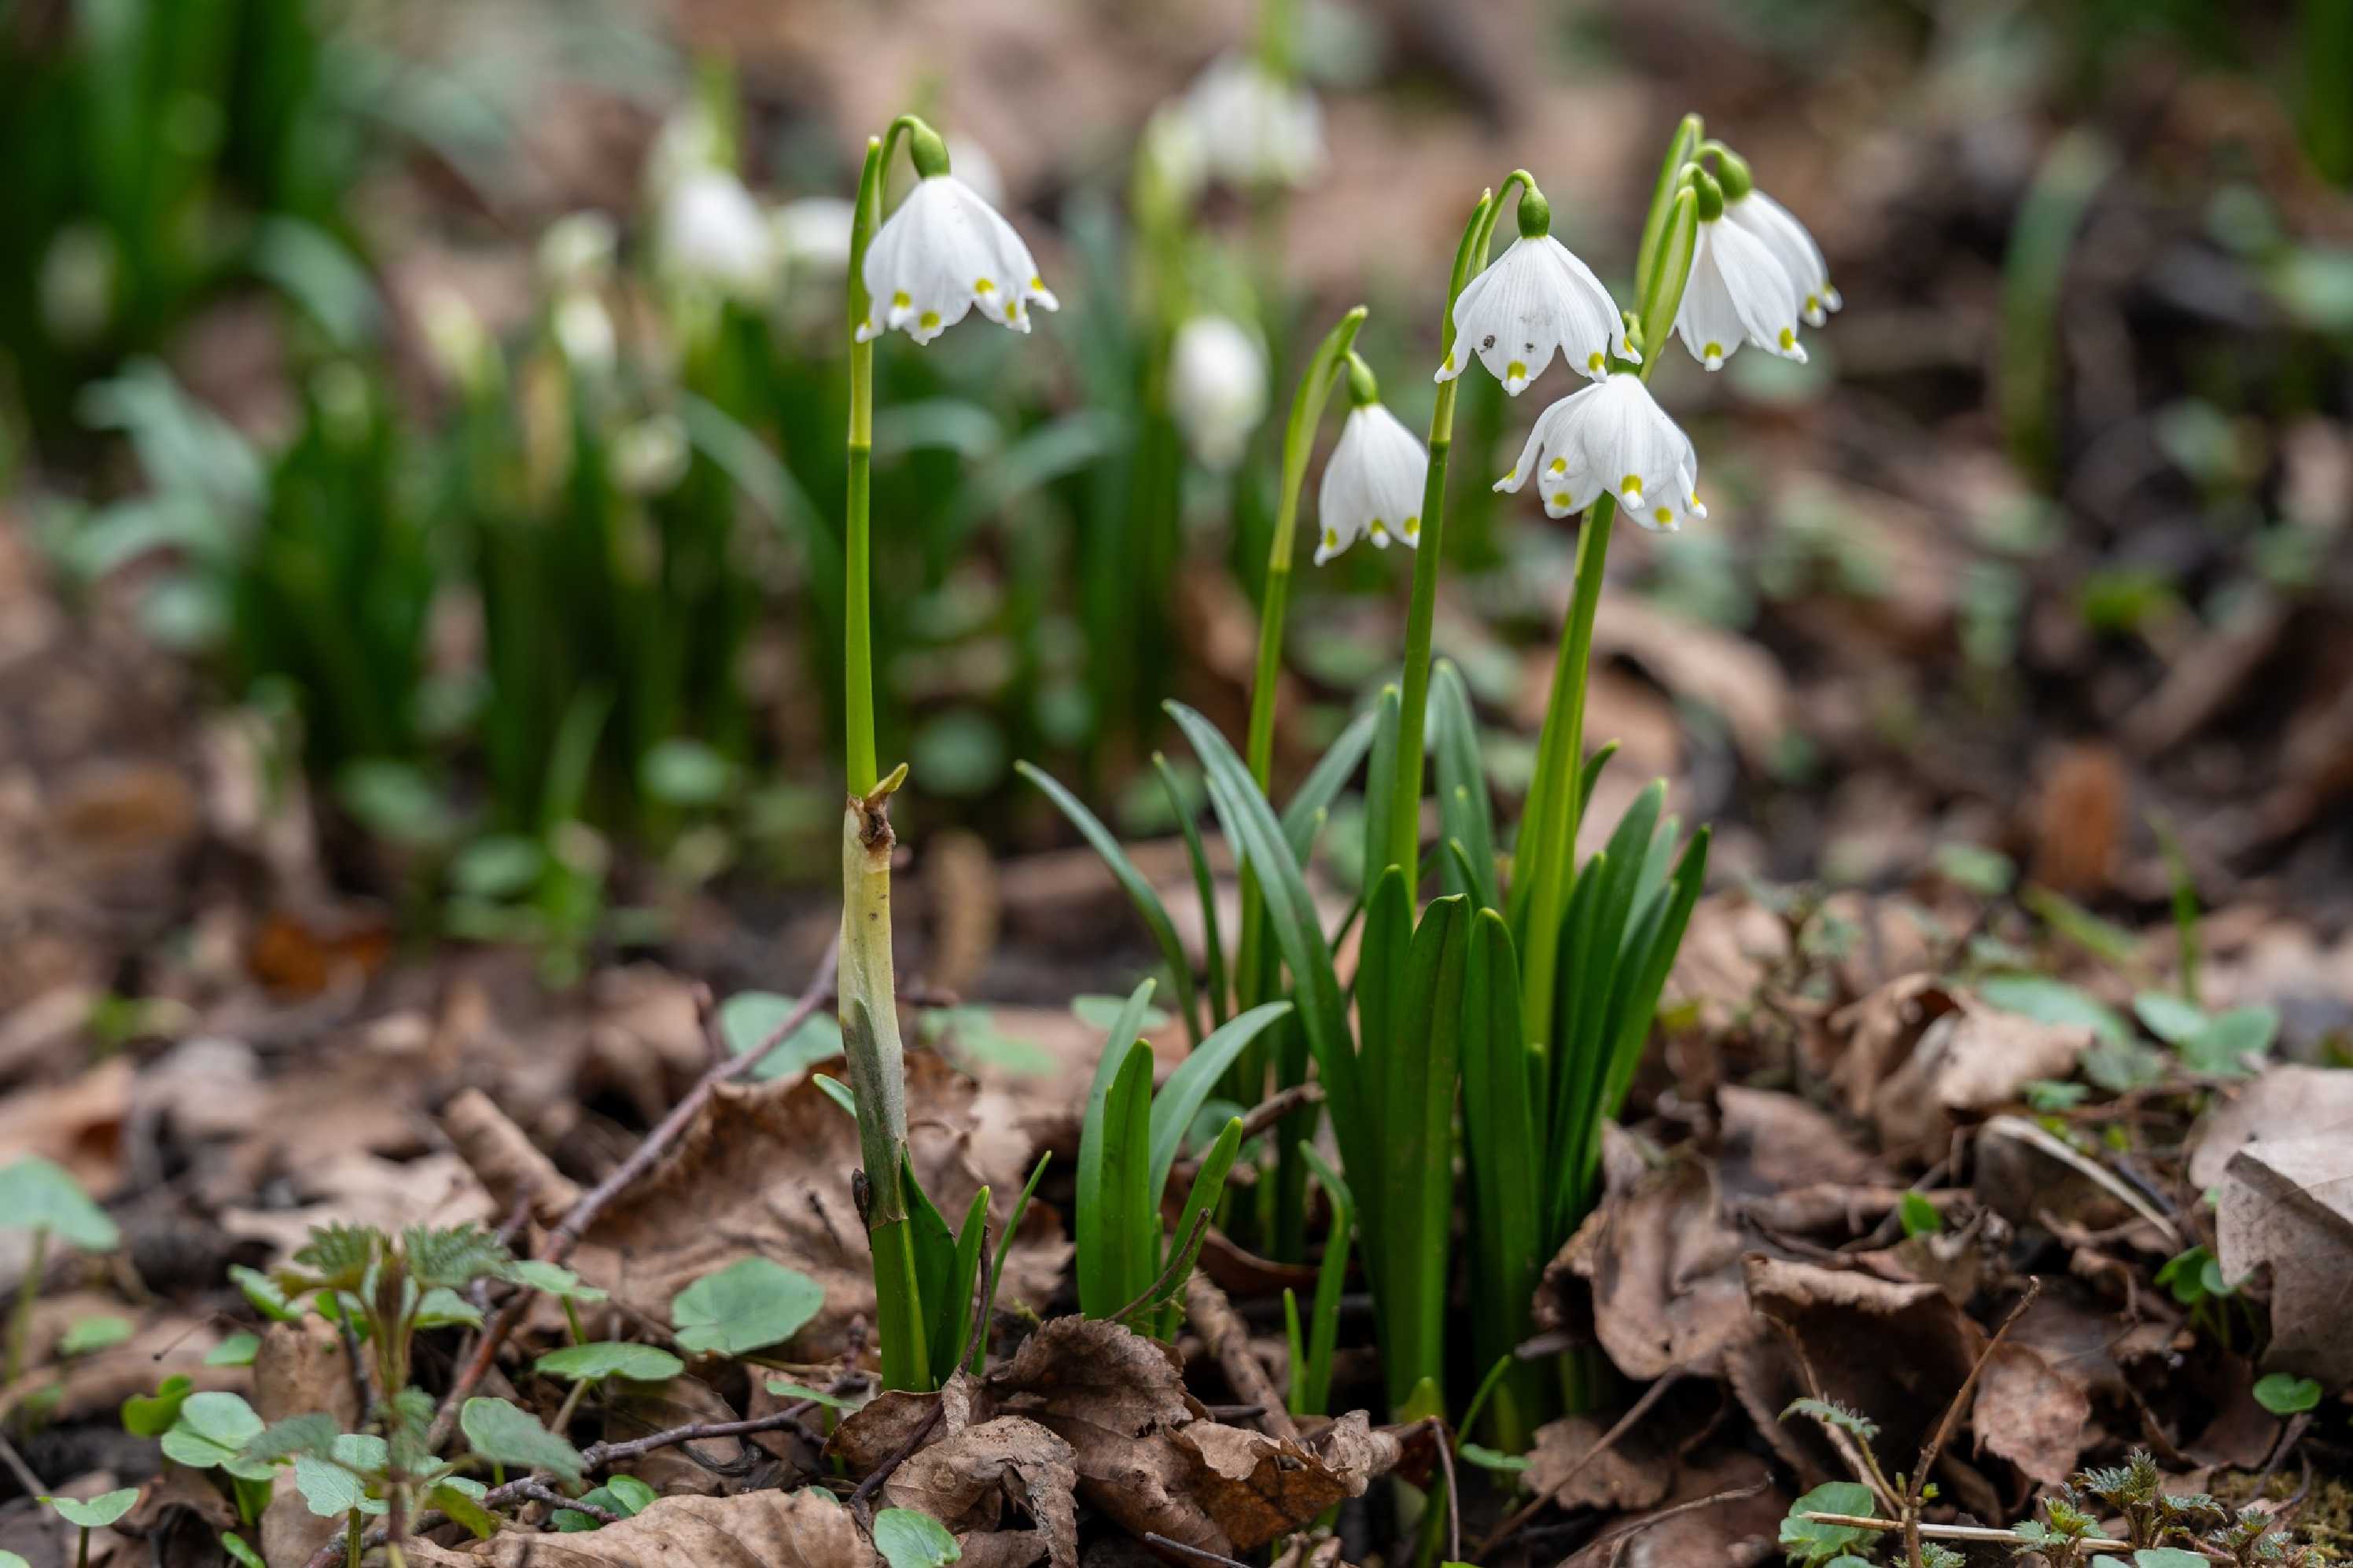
(746, 1305)
(331, 1491)
(553, 1278)
(38, 1194)
(444, 1308)
(238, 1350)
(211, 1431)
(2283, 1393)
(749, 1018)
(604, 1358)
(784, 1389)
(907, 1539)
(94, 1513)
(151, 1415)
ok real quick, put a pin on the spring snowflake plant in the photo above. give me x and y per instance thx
(1529, 986)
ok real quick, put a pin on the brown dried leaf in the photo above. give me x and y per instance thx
(1665, 1270)
(806, 1529)
(1880, 1029)
(2284, 1102)
(2033, 1411)
(964, 1481)
(766, 1171)
(1258, 1488)
(1773, 1142)
(897, 1419)
(1974, 1059)
(1617, 1479)
(2288, 1203)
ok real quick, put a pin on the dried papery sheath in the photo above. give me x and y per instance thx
(1611, 438)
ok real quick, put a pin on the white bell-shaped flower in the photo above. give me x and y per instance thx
(1372, 487)
(714, 234)
(943, 252)
(1536, 299)
(1611, 437)
(1737, 291)
(1792, 247)
(1254, 127)
(1216, 387)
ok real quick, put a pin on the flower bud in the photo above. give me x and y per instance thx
(1216, 387)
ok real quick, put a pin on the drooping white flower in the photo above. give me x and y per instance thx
(1611, 437)
(1372, 487)
(943, 252)
(1792, 247)
(713, 233)
(1536, 298)
(812, 234)
(1737, 293)
(689, 143)
(1216, 387)
(650, 457)
(1254, 127)
(1172, 149)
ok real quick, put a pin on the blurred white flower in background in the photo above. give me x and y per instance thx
(1737, 293)
(711, 233)
(1533, 298)
(812, 234)
(77, 284)
(943, 252)
(649, 456)
(1216, 387)
(584, 331)
(1372, 487)
(1792, 247)
(1172, 150)
(689, 141)
(1254, 127)
(457, 344)
(1611, 437)
(577, 251)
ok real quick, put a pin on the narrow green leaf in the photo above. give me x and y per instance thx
(1466, 816)
(1139, 892)
(936, 1255)
(1189, 1087)
(235, 1545)
(1313, 800)
(1093, 1254)
(1505, 1166)
(1314, 1388)
(1415, 1171)
(1117, 1254)
(996, 1265)
(953, 1320)
(785, 1388)
(1380, 784)
(1208, 1185)
(479, 1522)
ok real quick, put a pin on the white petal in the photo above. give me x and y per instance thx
(943, 251)
(1373, 485)
(1759, 289)
(1793, 247)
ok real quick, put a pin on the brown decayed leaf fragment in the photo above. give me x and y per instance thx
(1775, 1141)
(2285, 1101)
(2030, 1411)
(1665, 1270)
(805, 1529)
(964, 1482)
(1617, 1478)
(1147, 1455)
(2288, 1203)
(767, 1171)
(1968, 1061)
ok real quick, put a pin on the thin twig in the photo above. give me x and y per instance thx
(567, 1235)
(18, 1468)
(1453, 1491)
(1915, 1490)
(1950, 1532)
(1229, 1339)
(1601, 1445)
(536, 1491)
(893, 1460)
(1198, 1554)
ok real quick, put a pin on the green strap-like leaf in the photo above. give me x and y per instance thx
(1118, 1251)
(1205, 885)
(1139, 892)
(1092, 1140)
(952, 1320)
(1003, 1250)
(1208, 1185)
(1313, 1390)
(1499, 1141)
(1465, 816)
(1325, 782)
(1291, 916)
(1414, 1167)
(1189, 1087)
(1380, 783)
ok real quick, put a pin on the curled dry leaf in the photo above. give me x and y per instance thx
(1920, 1348)
(897, 1419)
(806, 1529)
(1774, 1141)
(1623, 1477)
(1970, 1060)
(767, 1171)
(1664, 1269)
(1147, 1455)
(1879, 1031)
(965, 1480)
(2284, 1102)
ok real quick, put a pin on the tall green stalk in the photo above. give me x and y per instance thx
(866, 988)
(1404, 798)
(1545, 860)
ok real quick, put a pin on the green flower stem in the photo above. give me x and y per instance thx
(1405, 801)
(28, 1290)
(1254, 979)
(870, 1032)
(1548, 852)
(867, 988)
